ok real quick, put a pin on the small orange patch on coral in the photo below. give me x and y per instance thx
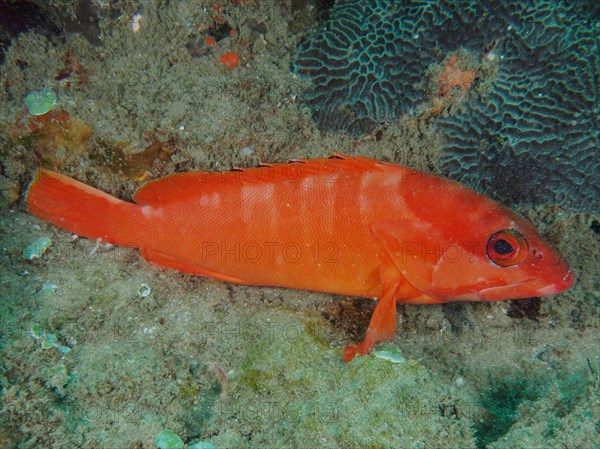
(218, 14)
(211, 41)
(38, 121)
(452, 77)
(230, 60)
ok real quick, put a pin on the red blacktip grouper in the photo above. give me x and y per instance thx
(346, 225)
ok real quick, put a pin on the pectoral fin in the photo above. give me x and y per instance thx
(413, 248)
(382, 326)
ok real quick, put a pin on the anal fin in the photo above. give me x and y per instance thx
(167, 261)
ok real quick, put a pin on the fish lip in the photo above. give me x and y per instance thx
(484, 294)
(538, 286)
(490, 293)
(556, 287)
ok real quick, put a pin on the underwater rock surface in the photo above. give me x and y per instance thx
(531, 137)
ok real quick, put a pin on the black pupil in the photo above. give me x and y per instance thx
(503, 247)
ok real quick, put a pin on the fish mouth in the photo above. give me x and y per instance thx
(527, 288)
(564, 284)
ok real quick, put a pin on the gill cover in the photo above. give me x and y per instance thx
(414, 247)
(443, 267)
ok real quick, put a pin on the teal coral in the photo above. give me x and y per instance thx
(37, 249)
(389, 352)
(530, 136)
(357, 65)
(40, 102)
(166, 439)
(534, 137)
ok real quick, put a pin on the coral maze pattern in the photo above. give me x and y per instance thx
(531, 138)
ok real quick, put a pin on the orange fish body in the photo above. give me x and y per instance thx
(346, 225)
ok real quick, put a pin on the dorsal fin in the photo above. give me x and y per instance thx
(183, 186)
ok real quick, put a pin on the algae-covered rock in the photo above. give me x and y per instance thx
(291, 389)
(552, 422)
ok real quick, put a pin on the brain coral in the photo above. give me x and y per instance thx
(531, 136)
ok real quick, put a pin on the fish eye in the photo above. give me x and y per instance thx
(507, 248)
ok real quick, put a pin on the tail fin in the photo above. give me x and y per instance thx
(82, 209)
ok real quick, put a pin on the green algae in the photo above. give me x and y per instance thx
(573, 388)
(57, 377)
(47, 339)
(501, 403)
(36, 331)
(189, 389)
(511, 406)
(47, 291)
(315, 331)
(542, 423)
